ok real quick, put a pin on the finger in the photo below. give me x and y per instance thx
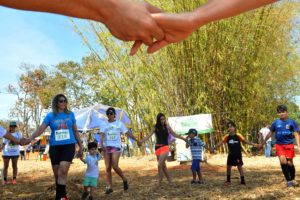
(151, 8)
(148, 40)
(157, 45)
(135, 47)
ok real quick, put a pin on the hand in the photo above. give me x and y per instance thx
(139, 143)
(24, 141)
(176, 27)
(103, 149)
(259, 146)
(130, 21)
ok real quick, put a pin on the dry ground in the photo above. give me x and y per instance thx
(263, 177)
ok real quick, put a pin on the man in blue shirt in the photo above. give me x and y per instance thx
(284, 129)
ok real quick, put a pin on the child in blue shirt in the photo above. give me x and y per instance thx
(196, 145)
(92, 172)
(285, 129)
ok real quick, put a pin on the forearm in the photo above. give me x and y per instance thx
(39, 131)
(249, 142)
(220, 9)
(86, 9)
(218, 145)
(131, 135)
(101, 139)
(266, 139)
(297, 138)
(11, 138)
(77, 137)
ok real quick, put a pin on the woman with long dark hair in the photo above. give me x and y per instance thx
(111, 145)
(63, 137)
(162, 131)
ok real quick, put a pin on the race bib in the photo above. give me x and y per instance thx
(112, 136)
(63, 134)
(12, 148)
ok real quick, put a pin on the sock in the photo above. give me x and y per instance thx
(292, 171)
(5, 178)
(228, 178)
(14, 177)
(60, 191)
(285, 171)
(243, 180)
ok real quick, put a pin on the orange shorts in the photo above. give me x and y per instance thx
(161, 149)
(286, 150)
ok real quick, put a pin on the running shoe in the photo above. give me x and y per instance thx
(84, 195)
(200, 182)
(242, 184)
(91, 198)
(289, 184)
(108, 191)
(126, 185)
(193, 182)
(14, 181)
(227, 183)
(4, 182)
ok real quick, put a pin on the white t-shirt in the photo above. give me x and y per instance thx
(10, 148)
(112, 132)
(2, 131)
(265, 132)
(21, 148)
(92, 162)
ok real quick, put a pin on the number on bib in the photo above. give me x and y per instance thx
(63, 134)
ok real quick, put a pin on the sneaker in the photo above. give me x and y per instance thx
(108, 191)
(84, 195)
(227, 183)
(14, 181)
(64, 198)
(91, 198)
(200, 182)
(289, 184)
(4, 182)
(193, 182)
(126, 186)
(242, 184)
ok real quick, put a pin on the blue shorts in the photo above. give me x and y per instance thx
(90, 181)
(196, 165)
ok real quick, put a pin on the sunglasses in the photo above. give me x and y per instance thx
(110, 113)
(13, 126)
(62, 101)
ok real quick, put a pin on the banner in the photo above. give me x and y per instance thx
(181, 125)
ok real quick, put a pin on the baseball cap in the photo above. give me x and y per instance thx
(13, 124)
(192, 130)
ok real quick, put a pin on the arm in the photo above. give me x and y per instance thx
(101, 141)
(131, 135)
(148, 136)
(38, 132)
(126, 20)
(260, 137)
(2, 147)
(248, 142)
(177, 27)
(77, 137)
(298, 141)
(266, 139)
(81, 158)
(12, 138)
(175, 135)
(219, 144)
(187, 142)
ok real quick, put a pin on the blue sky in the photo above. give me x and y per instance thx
(33, 38)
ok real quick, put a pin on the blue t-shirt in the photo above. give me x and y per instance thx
(196, 145)
(284, 130)
(61, 128)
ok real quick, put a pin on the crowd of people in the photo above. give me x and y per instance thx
(64, 137)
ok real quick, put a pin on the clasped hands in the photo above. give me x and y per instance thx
(146, 24)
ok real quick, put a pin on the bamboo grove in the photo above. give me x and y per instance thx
(238, 69)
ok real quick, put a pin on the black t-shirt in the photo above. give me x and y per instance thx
(234, 144)
(161, 136)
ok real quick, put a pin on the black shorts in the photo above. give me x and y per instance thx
(60, 153)
(234, 160)
(10, 157)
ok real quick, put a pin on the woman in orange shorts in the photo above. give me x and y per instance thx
(162, 131)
